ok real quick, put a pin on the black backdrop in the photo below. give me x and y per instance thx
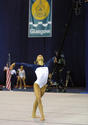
(14, 37)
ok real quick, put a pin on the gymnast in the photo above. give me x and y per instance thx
(42, 71)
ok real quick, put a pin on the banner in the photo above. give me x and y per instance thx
(40, 18)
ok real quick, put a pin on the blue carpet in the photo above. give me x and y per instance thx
(83, 92)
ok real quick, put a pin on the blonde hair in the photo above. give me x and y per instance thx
(41, 57)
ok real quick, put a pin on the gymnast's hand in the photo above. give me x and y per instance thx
(12, 66)
(55, 60)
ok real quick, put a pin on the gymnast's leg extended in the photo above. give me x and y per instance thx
(39, 92)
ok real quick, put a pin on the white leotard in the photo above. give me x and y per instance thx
(42, 76)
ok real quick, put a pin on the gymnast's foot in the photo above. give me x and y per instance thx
(42, 118)
(35, 116)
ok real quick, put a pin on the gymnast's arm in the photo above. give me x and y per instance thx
(50, 64)
(32, 66)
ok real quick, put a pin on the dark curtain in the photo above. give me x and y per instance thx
(86, 48)
(14, 37)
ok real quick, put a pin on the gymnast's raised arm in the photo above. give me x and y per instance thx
(50, 64)
(32, 66)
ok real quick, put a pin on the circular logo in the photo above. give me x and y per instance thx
(40, 9)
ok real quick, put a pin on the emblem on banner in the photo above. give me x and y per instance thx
(40, 9)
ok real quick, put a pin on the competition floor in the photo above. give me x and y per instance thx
(59, 108)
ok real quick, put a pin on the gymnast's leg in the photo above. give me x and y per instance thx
(38, 103)
(35, 105)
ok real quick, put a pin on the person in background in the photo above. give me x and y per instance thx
(21, 77)
(10, 76)
(59, 72)
(13, 76)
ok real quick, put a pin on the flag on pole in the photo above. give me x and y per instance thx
(8, 79)
(40, 18)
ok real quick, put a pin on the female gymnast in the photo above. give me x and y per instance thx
(42, 71)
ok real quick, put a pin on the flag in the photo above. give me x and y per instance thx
(8, 79)
(40, 18)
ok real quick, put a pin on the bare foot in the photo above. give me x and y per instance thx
(42, 119)
(35, 116)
